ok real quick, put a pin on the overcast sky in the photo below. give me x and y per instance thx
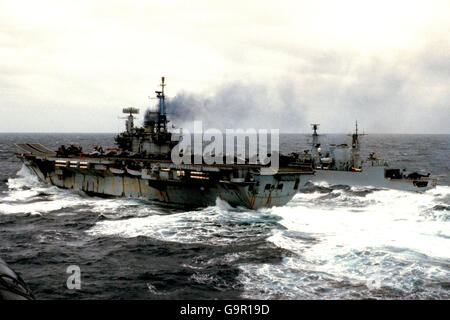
(71, 66)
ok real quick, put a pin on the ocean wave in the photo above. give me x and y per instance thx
(383, 246)
(215, 225)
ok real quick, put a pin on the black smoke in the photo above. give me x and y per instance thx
(150, 117)
(238, 105)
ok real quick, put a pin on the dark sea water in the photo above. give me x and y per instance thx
(327, 243)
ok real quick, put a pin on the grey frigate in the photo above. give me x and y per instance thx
(141, 167)
(342, 165)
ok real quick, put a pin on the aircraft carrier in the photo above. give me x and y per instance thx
(141, 167)
(342, 165)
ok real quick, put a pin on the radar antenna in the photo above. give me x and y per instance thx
(130, 119)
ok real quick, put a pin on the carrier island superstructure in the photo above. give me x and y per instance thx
(342, 165)
(141, 167)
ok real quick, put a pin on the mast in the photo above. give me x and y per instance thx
(355, 136)
(315, 135)
(162, 119)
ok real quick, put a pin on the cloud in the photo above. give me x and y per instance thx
(72, 66)
(386, 95)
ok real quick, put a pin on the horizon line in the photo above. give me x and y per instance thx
(110, 132)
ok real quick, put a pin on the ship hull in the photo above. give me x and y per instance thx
(371, 177)
(265, 191)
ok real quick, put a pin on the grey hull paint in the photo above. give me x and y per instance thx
(170, 192)
(368, 177)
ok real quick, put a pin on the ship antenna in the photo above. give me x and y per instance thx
(129, 124)
(355, 140)
(162, 121)
(315, 136)
(315, 126)
(162, 86)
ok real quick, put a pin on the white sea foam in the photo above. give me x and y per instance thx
(26, 194)
(381, 244)
(212, 225)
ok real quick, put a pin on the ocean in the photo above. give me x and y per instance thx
(329, 242)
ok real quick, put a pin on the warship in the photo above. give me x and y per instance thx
(342, 165)
(141, 167)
